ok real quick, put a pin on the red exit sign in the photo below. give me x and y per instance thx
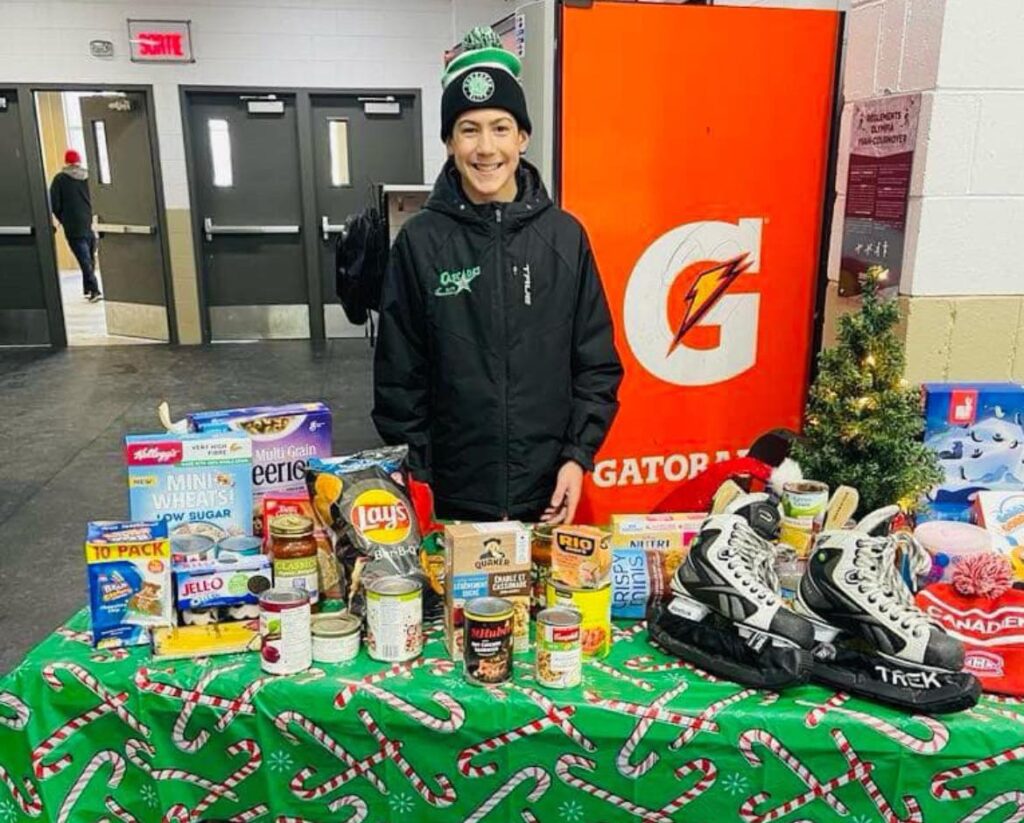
(160, 41)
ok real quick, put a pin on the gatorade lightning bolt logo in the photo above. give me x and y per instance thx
(381, 517)
(709, 286)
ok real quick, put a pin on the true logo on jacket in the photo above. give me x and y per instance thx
(451, 283)
(685, 319)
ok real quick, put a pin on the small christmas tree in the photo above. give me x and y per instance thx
(863, 421)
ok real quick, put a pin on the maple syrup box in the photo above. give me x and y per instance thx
(486, 560)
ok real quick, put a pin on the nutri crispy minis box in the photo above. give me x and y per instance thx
(486, 560)
(283, 440)
(129, 574)
(197, 483)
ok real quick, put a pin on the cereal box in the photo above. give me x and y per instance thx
(198, 483)
(486, 560)
(580, 556)
(327, 563)
(1001, 514)
(646, 551)
(129, 574)
(283, 440)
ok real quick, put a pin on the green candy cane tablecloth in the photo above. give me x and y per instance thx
(90, 735)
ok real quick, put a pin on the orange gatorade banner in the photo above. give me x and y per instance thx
(694, 150)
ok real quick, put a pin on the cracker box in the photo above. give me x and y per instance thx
(198, 483)
(977, 431)
(283, 440)
(222, 583)
(129, 574)
(580, 556)
(482, 560)
(1001, 514)
(327, 563)
(228, 637)
(646, 551)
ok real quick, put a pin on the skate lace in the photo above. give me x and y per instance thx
(757, 560)
(882, 580)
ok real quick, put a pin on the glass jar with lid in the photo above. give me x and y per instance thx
(293, 549)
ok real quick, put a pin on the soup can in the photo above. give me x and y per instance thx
(190, 549)
(394, 619)
(335, 637)
(559, 660)
(595, 608)
(488, 624)
(239, 546)
(803, 511)
(285, 631)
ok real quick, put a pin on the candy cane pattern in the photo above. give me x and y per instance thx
(939, 781)
(662, 815)
(655, 713)
(46, 770)
(132, 749)
(935, 743)
(642, 726)
(703, 721)
(21, 712)
(255, 813)
(645, 663)
(1015, 797)
(558, 716)
(542, 782)
(181, 814)
(77, 637)
(30, 805)
(628, 634)
(117, 769)
(456, 714)
(93, 685)
(109, 655)
(350, 801)
(356, 767)
(613, 672)
(440, 799)
(858, 771)
(119, 811)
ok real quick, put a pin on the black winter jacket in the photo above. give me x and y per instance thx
(70, 201)
(496, 361)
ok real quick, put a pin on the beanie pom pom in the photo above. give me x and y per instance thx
(481, 37)
(985, 574)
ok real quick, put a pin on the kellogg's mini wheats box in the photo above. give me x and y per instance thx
(197, 483)
(284, 438)
(129, 574)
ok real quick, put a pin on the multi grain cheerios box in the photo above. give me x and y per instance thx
(486, 560)
(197, 483)
(284, 438)
(129, 575)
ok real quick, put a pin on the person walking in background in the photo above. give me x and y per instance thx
(71, 205)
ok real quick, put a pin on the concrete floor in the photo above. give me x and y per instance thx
(65, 414)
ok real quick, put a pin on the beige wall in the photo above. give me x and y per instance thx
(53, 135)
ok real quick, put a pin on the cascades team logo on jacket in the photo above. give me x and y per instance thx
(683, 321)
(451, 283)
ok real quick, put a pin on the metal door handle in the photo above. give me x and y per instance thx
(123, 228)
(20, 231)
(210, 229)
(328, 228)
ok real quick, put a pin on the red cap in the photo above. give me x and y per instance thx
(72, 158)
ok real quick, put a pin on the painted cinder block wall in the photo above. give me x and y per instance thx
(962, 289)
(297, 43)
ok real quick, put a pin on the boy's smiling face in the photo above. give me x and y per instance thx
(485, 145)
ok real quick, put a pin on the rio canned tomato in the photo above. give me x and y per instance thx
(595, 608)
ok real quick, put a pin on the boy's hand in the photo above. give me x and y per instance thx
(566, 497)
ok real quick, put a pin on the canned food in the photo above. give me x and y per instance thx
(239, 546)
(189, 549)
(558, 664)
(487, 643)
(335, 637)
(285, 631)
(394, 619)
(803, 512)
(595, 608)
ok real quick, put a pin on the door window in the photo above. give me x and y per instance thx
(220, 152)
(337, 142)
(99, 130)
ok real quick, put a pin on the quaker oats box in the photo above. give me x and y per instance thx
(283, 440)
(129, 575)
(487, 560)
(197, 483)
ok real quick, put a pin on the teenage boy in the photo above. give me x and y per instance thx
(72, 206)
(495, 361)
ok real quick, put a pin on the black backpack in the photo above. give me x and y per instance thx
(360, 262)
